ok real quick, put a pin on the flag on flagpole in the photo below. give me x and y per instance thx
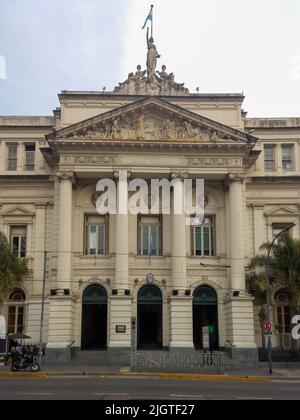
(149, 17)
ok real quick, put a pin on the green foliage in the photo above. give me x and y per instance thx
(283, 268)
(12, 268)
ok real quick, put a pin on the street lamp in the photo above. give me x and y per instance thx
(269, 297)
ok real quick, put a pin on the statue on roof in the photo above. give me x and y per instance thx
(152, 55)
(151, 81)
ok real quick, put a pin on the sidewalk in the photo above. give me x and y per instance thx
(260, 374)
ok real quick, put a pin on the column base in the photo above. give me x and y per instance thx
(57, 355)
(119, 356)
(244, 356)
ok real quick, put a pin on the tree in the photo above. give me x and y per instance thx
(283, 267)
(12, 268)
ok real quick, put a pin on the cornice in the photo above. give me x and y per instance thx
(155, 146)
(138, 106)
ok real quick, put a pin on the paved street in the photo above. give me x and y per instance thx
(120, 388)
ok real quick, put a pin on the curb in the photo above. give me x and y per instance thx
(197, 377)
(193, 377)
(23, 375)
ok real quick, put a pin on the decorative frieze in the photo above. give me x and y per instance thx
(87, 160)
(215, 162)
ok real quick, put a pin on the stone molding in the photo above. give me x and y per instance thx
(87, 160)
(179, 175)
(215, 162)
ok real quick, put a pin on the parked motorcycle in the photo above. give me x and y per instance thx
(25, 357)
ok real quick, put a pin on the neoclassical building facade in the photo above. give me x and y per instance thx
(117, 282)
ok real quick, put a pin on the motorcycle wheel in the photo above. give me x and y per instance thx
(35, 368)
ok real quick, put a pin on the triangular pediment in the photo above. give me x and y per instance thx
(152, 119)
(282, 211)
(18, 212)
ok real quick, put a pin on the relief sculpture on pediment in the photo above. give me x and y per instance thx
(151, 127)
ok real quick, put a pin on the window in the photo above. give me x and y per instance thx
(270, 158)
(12, 159)
(18, 235)
(96, 232)
(204, 238)
(149, 236)
(16, 313)
(29, 157)
(288, 157)
(279, 227)
(283, 311)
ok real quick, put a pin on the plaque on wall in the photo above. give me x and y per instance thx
(121, 329)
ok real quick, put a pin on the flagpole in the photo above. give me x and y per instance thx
(152, 7)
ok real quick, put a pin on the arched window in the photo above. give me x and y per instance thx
(16, 312)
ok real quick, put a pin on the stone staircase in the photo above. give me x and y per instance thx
(89, 358)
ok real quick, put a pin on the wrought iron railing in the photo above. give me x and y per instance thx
(191, 361)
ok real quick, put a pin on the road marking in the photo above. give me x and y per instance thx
(110, 394)
(186, 396)
(255, 398)
(285, 381)
(35, 393)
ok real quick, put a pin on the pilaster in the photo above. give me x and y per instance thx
(181, 323)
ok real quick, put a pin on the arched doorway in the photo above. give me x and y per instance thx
(205, 318)
(149, 318)
(94, 318)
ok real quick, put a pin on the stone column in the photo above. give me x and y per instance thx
(39, 248)
(64, 257)
(122, 239)
(62, 309)
(236, 205)
(181, 306)
(178, 235)
(119, 343)
(239, 314)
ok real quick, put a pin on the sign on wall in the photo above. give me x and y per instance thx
(121, 329)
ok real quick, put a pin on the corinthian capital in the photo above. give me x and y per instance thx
(66, 175)
(180, 175)
(231, 178)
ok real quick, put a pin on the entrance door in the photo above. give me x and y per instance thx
(205, 319)
(94, 319)
(149, 318)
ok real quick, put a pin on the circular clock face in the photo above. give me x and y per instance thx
(150, 278)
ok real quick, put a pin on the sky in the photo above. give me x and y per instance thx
(232, 46)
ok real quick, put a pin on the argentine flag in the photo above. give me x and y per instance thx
(149, 17)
